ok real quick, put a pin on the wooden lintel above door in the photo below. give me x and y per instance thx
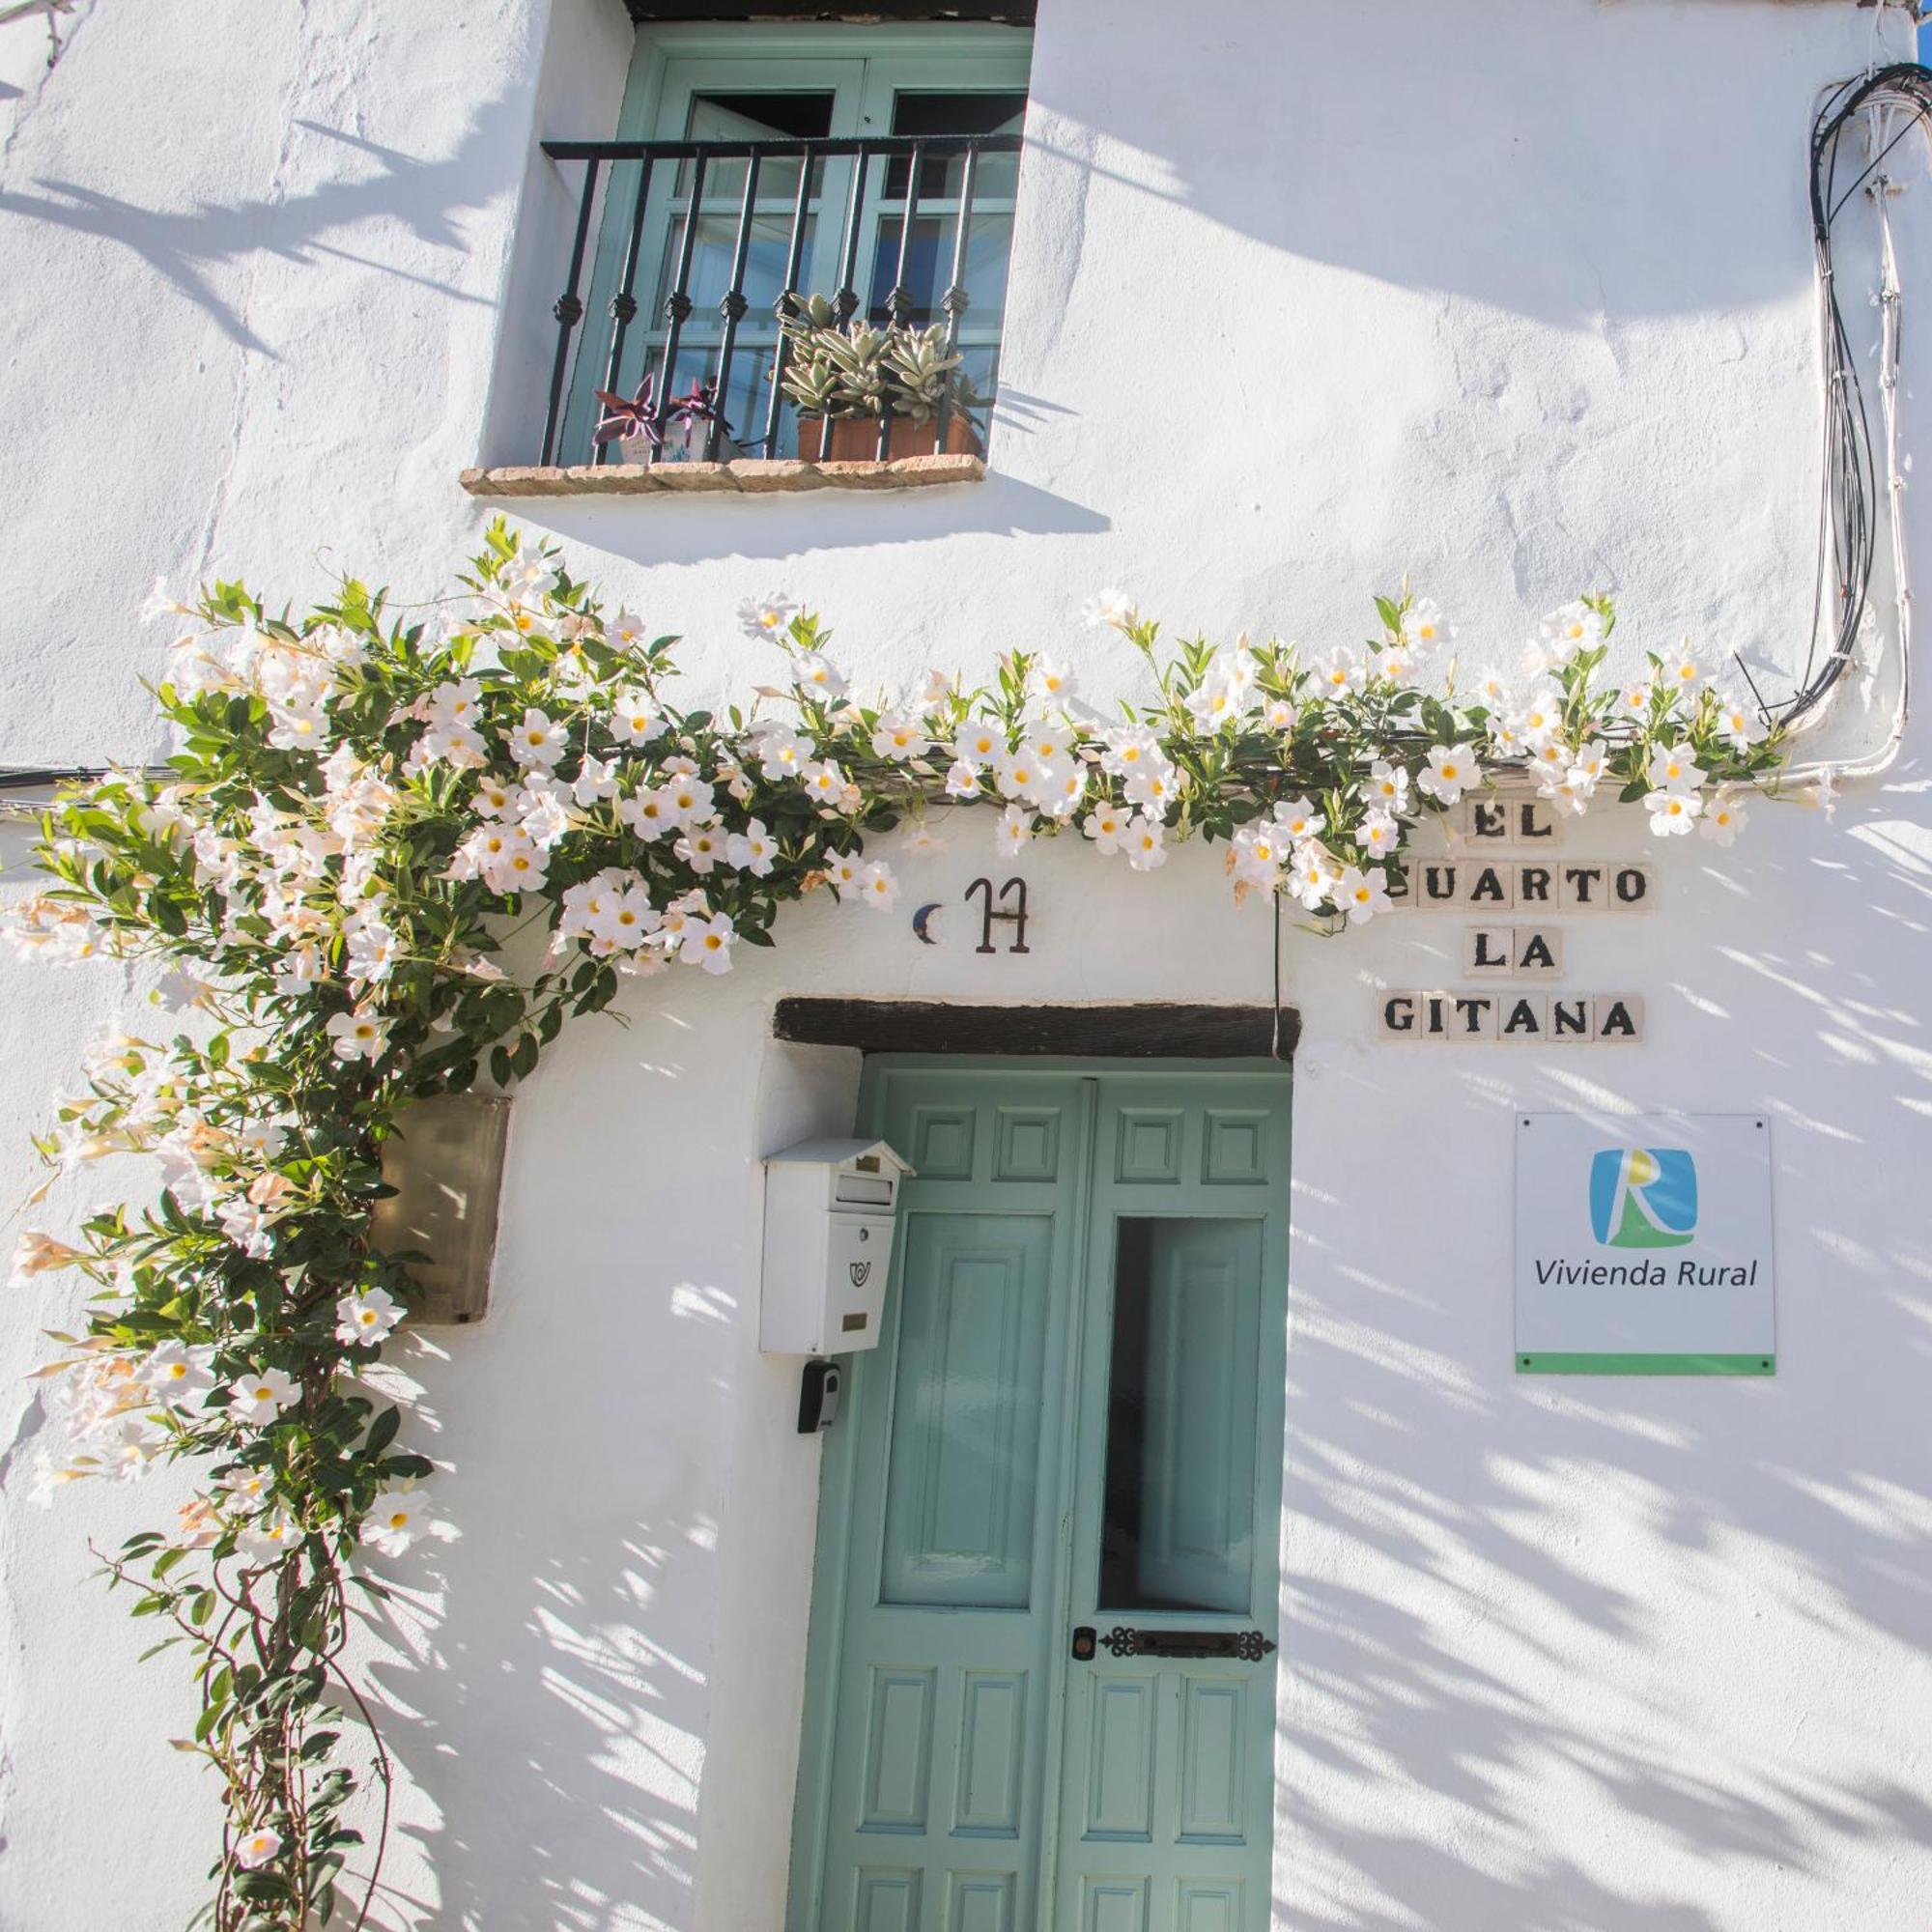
(881, 13)
(1152, 1031)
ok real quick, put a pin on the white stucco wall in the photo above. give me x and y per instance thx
(1514, 296)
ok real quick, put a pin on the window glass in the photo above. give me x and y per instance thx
(1178, 1521)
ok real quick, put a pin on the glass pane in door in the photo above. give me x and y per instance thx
(1177, 1519)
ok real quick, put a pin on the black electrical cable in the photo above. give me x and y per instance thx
(1847, 541)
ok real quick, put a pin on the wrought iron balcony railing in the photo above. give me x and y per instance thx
(727, 235)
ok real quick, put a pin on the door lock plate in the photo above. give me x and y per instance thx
(1123, 1641)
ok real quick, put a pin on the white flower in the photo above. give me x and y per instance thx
(366, 1317)
(1738, 723)
(1540, 718)
(396, 1519)
(1378, 835)
(359, 1036)
(1297, 817)
(707, 943)
(1212, 703)
(596, 779)
(766, 617)
(268, 1537)
(175, 1372)
(1671, 769)
(37, 1253)
(1312, 873)
(1130, 749)
(1386, 786)
(687, 801)
(1724, 819)
(936, 693)
(1424, 626)
(1260, 850)
(628, 920)
(1394, 661)
(1452, 770)
(538, 741)
(702, 848)
(753, 850)
(525, 575)
(1021, 775)
(1340, 673)
(962, 780)
(1633, 699)
(1014, 829)
(1150, 786)
(1551, 763)
(1112, 609)
(896, 737)
(1575, 627)
(1048, 685)
(1361, 895)
(1682, 672)
(815, 674)
(1587, 766)
(625, 631)
(1143, 844)
(1278, 715)
(255, 1849)
(635, 717)
(824, 783)
(1672, 813)
(262, 1395)
(1106, 825)
(877, 886)
(978, 746)
(1492, 689)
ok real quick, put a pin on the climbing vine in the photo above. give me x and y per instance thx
(391, 856)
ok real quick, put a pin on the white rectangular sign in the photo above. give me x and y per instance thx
(1643, 1245)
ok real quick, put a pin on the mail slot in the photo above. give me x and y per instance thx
(829, 1223)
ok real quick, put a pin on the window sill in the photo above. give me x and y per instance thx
(751, 477)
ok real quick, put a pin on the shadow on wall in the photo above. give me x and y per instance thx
(1484, 1643)
(699, 529)
(1519, 175)
(426, 197)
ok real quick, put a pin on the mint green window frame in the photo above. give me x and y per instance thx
(863, 69)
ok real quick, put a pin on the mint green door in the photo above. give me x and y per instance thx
(1040, 1691)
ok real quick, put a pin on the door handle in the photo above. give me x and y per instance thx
(1249, 1646)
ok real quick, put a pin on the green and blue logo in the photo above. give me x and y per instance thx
(1644, 1197)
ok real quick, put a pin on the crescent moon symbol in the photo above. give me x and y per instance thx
(922, 920)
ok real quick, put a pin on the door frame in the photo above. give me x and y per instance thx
(838, 1471)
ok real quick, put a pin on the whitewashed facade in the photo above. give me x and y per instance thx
(1515, 297)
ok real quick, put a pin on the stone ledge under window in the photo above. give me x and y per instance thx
(751, 477)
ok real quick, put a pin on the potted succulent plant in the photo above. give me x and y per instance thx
(632, 423)
(844, 380)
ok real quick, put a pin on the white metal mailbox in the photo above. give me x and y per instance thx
(829, 1215)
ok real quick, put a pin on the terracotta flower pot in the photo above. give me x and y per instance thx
(856, 438)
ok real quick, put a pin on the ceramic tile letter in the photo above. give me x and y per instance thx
(1488, 951)
(1486, 818)
(1582, 887)
(1537, 950)
(1523, 1017)
(1535, 822)
(1617, 1018)
(1396, 1017)
(1571, 1018)
(1629, 889)
(1535, 885)
(1491, 886)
